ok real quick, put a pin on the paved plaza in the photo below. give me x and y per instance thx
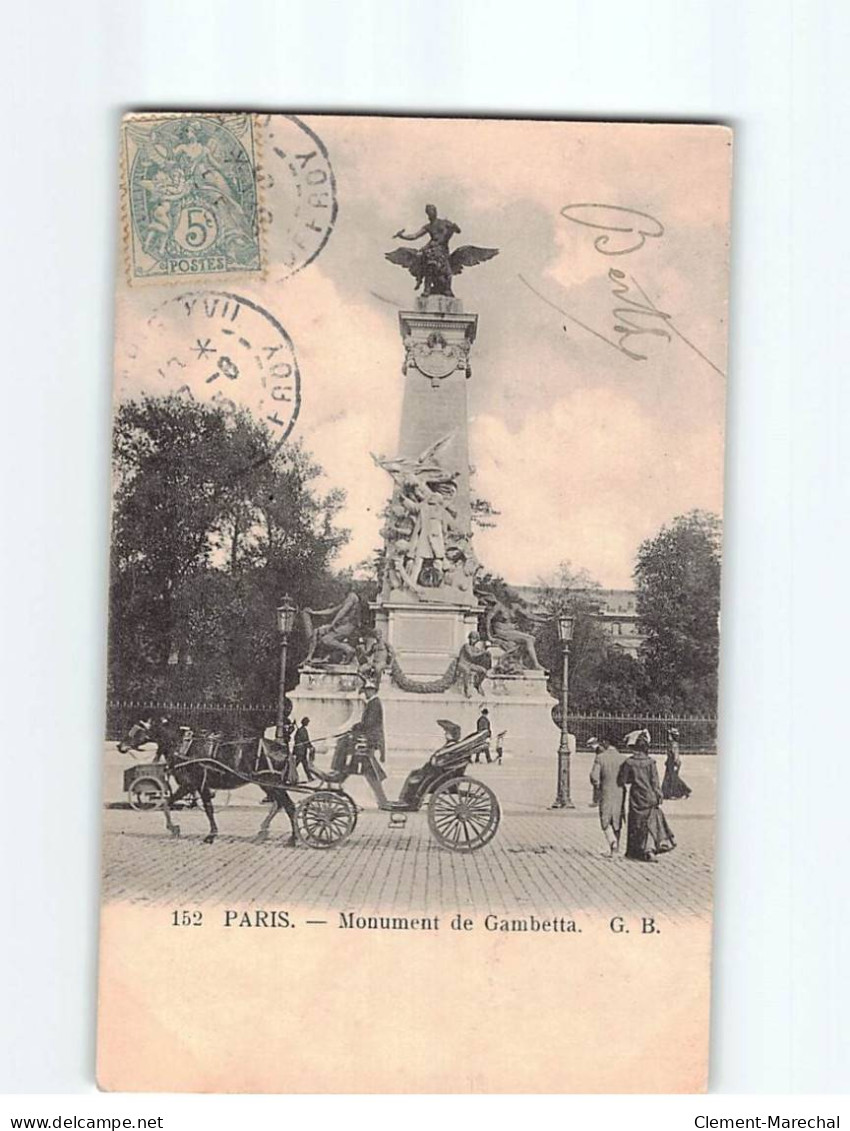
(541, 861)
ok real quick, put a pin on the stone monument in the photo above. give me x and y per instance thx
(439, 648)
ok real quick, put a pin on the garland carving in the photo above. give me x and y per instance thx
(423, 686)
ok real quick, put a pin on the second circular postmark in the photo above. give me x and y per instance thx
(220, 348)
(298, 190)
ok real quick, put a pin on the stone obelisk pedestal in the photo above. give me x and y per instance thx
(427, 627)
(426, 608)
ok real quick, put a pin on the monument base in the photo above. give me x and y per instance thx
(426, 638)
(518, 704)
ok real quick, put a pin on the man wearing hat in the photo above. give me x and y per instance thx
(483, 727)
(302, 749)
(371, 724)
(610, 795)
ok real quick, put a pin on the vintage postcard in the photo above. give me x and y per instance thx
(411, 734)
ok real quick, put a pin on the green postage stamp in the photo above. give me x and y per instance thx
(191, 196)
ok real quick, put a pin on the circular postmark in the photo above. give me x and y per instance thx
(298, 191)
(219, 348)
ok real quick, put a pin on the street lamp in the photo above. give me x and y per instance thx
(285, 623)
(565, 635)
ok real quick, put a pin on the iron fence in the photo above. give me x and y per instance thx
(235, 720)
(697, 733)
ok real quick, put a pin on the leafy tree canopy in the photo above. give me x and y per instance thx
(212, 523)
(678, 600)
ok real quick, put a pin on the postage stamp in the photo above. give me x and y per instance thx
(219, 348)
(191, 196)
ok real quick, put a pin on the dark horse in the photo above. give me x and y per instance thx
(209, 768)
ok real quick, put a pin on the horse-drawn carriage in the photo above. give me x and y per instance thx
(463, 813)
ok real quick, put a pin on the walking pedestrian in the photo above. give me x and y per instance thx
(594, 785)
(483, 725)
(371, 724)
(648, 831)
(673, 787)
(302, 749)
(609, 793)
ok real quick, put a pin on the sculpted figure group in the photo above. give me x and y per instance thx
(427, 545)
(517, 644)
(504, 648)
(341, 639)
(333, 640)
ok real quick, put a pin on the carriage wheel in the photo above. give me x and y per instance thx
(146, 793)
(463, 814)
(325, 818)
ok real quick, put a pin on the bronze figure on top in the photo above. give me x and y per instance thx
(433, 266)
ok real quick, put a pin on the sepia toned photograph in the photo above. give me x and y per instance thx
(414, 598)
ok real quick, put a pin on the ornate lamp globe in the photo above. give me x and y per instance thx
(566, 621)
(285, 616)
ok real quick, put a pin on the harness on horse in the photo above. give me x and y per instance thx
(265, 749)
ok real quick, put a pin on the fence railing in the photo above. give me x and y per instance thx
(697, 733)
(233, 719)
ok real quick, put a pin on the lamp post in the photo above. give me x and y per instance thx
(285, 622)
(565, 635)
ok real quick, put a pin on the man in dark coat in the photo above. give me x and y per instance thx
(648, 831)
(483, 725)
(610, 795)
(371, 724)
(302, 749)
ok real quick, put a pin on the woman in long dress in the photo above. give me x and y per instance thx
(673, 787)
(648, 832)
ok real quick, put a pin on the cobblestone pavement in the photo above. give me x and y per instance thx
(541, 861)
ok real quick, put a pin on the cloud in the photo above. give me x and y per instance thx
(585, 451)
(586, 481)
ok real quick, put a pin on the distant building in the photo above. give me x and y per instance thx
(615, 608)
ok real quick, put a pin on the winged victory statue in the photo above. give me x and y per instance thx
(433, 266)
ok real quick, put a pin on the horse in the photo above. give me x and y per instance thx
(226, 767)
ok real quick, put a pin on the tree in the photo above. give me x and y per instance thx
(572, 591)
(618, 686)
(212, 524)
(678, 601)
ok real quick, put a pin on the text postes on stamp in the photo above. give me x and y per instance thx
(191, 196)
(220, 348)
(299, 192)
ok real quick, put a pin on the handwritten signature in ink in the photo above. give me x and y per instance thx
(624, 231)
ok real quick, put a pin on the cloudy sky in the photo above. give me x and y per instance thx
(584, 450)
